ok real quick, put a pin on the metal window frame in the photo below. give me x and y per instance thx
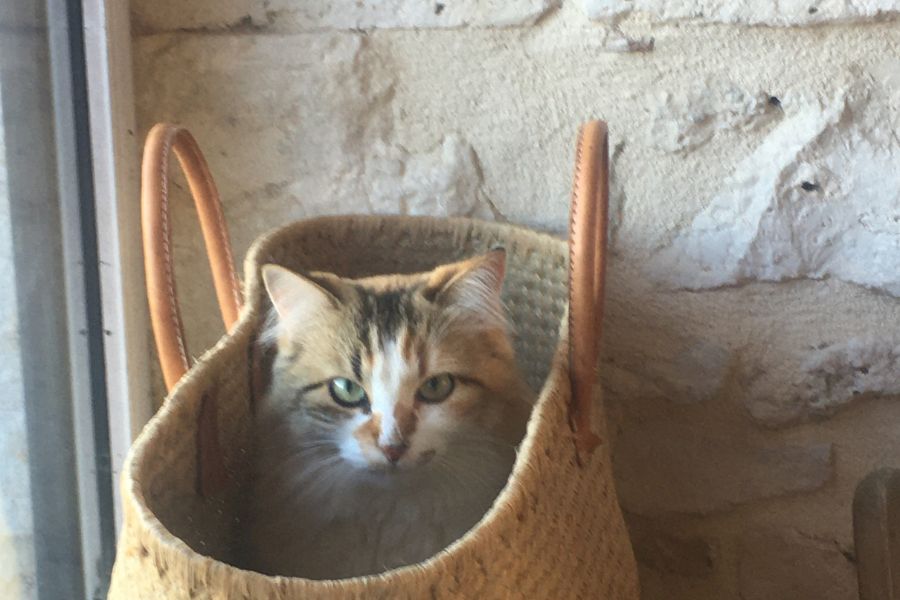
(115, 150)
(78, 255)
(80, 311)
(85, 343)
(90, 51)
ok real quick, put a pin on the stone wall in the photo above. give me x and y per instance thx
(17, 563)
(21, 56)
(751, 362)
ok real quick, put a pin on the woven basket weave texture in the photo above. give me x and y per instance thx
(556, 530)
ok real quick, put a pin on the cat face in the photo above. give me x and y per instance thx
(392, 373)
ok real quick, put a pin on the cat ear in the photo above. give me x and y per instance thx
(293, 295)
(472, 287)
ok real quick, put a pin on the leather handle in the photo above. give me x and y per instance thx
(587, 269)
(165, 314)
(587, 265)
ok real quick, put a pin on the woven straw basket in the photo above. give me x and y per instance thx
(555, 531)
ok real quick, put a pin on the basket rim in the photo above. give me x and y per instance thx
(133, 498)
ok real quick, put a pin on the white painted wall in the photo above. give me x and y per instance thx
(751, 352)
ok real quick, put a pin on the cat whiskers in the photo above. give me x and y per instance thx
(457, 465)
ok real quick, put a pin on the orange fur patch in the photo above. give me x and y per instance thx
(367, 433)
(406, 418)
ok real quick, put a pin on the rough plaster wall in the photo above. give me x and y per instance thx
(750, 355)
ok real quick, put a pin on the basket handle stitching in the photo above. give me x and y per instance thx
(165, 315)
(587, 270)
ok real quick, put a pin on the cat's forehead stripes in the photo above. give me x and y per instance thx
(413, 349)
(356, 365)
(406, 345)
(421, 356)
(382, 314)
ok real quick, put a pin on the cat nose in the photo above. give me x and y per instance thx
(393, 452)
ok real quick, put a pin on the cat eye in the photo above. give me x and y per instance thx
(347, 393)
(436, 389)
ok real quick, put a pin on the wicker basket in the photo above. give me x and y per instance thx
(555, 531)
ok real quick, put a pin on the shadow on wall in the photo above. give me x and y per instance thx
(713, 494)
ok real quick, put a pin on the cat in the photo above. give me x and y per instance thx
(392, 419)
